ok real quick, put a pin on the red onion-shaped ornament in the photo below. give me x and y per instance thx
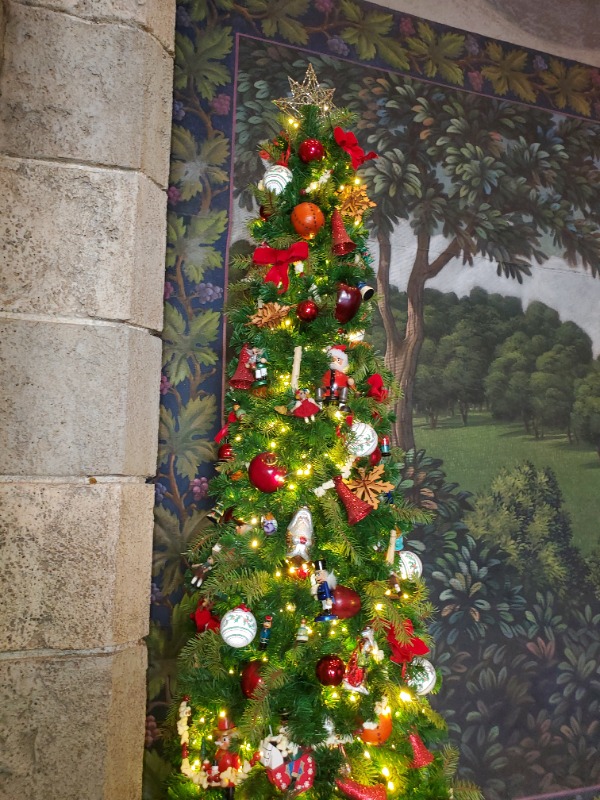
(251, 678)
(347, 303)
(356, 509)
(358, 791)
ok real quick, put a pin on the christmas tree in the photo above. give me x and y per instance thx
(308, 674)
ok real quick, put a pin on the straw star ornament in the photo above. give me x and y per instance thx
(307, 93)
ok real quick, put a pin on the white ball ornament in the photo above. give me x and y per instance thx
(363, 440)
(276, 178)
(410, 567)
(424, 681)
(238, 627)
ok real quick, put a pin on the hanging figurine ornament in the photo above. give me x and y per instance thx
(258, 363)
(304, 407)
(300, 536)
(265, 634)
(269, 524)
(323, 583)
(369, 486)
(287, 766)
(279, 260)
(183, 729)
(303, 631)
(335, 382)
(243, 377)
(307, 93)
(201, 570)
(269, 315)
(238, 626)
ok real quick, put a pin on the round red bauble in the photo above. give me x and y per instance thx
(251, 678)
(265, 473)
(307, 310)
(311, 150)
(225, 452)
(375, 457)
(308, 219)
(330, 670)
(346, 602)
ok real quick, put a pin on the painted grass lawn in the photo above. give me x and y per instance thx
(473, 455)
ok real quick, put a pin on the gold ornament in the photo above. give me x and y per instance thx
(270, 315)
(354, 201)
(369, 487)
(308, 93)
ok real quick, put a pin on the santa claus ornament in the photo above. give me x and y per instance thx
(288, 767)
(335, 382)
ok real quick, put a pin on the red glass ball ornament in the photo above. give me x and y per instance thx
(346, 602)
(307, 310)
(251, 678)
(330, 670)
(348, 302)
(265, 473)
(307, 219)
(225, 452)
(375, 457)
(311, 150)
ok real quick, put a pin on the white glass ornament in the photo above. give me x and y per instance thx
(363, 440)
(276, 178)
(410, 566)
(238, 627)
(425, 680)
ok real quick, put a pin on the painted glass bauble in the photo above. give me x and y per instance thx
(410, 567)
(307, 219)
(276, 178)
(330, 670)
(265, 473)
(423, 680)
(363, 440)
(238, 627)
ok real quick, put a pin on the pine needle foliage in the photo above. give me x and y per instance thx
(246, 566)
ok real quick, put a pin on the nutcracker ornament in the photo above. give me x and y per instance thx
(265, 634)
(228, 765)
(201, 570)
(302, 632)
(258, 363)
(323, 583)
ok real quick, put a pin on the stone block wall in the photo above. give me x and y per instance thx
(85, 103)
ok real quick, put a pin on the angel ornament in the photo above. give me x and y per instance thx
(300, 536)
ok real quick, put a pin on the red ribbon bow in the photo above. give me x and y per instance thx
(225, 429)
(377, 390)
(280, 259)
(349, 143)
(402, 653)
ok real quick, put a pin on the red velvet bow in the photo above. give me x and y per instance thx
(377, 390)
(402, 653)
(204, 619)
(281, 259)
(349, 143)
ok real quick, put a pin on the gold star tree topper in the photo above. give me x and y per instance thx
(308, 93)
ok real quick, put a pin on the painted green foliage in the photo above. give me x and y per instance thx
(520, 664)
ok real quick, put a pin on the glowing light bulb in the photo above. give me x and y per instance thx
(385, 772)
(254, 543)
(366, 754)
(405, 696)
(222, 714)
(379, 607)
(391, 786)
(291, 487)
(231, 671)
(254, 521)
(272, 445)
(278, 574)
(202, 719)
(238, 438)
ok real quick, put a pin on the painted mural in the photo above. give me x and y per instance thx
(486, 238)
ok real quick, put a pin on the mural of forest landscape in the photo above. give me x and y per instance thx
(486, 237)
